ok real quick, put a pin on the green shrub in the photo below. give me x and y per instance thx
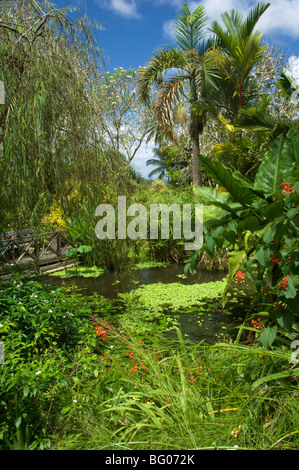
(46, 334)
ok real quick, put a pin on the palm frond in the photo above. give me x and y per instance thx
(168, 95)
(163, 61)
(253, 17)
(190, 28)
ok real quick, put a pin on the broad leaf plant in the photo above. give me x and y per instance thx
(258, 223)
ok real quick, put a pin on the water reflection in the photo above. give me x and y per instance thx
(112, 283)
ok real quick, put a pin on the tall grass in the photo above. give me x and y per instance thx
(185, 396)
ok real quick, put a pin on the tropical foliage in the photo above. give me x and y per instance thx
(260, 221)
(167, 365)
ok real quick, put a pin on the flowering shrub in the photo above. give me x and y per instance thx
(45, 332)
(55, 219)
(259, 223)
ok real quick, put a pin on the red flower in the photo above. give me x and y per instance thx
(240, 277)
(257, 323)
(274, 259)
(287, 188)
(284, 283)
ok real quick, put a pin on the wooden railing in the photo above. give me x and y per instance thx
(24, 246)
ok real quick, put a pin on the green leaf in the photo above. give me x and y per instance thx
(285, 319)
(214, 216)
(230, 236)
(234, 263)
(292, 213)
(26, 391)
(263, 256)
(217, 198)
(277, 164)
(18, 421)
(210, 245)
(291, 147)
(273, 211)
(268, 336)
(279, 375)
(268, 236)
(291, 291)
(252, 223)
(225, 178)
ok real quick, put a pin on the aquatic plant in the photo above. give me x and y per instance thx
(145, 308)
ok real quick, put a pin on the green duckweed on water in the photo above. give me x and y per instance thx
(82, 271)
(146, 308)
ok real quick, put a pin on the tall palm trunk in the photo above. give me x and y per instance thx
(195, 131)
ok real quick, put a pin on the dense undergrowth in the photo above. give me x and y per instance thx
(76, 377)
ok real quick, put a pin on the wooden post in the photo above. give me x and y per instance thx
(58, 244)
(36, 249)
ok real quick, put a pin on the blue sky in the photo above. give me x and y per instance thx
(135, 28)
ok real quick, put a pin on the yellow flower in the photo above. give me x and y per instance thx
(235, 431)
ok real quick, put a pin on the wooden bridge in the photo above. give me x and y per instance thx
(24, 248)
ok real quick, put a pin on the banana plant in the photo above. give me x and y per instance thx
(258, 222)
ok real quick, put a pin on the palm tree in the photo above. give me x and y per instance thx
(158, 162)
(183, 74)
(242, 50)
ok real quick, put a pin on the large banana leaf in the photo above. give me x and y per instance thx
(214, 216)
(279, 164)
(225, 178)
(291, 147)
(217, 198)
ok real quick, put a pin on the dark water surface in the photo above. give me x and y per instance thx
(213, 325)
(110, 284)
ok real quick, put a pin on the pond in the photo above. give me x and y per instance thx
(197, 321)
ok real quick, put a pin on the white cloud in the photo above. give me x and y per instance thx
(125, 8)
(281, 17)
(139, 162)
(173, 3)
(168, 29)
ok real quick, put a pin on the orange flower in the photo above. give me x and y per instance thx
(274, 259)
(240, 276)
(284, 283)
(101, 332)
(257, 323)
(287, 188)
